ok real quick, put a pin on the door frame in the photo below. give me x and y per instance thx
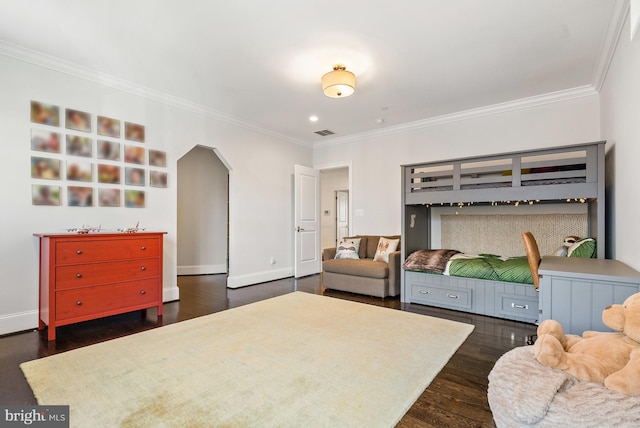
(338, 165)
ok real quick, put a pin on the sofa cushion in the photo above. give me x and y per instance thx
(362, 267)
(362, 251)
(385, 246)
(372, 244)
(348, 248)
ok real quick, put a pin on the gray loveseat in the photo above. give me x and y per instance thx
(363, 276)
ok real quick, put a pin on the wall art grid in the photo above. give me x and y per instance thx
(87, 163)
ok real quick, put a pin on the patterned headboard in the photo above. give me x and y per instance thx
(500, 234)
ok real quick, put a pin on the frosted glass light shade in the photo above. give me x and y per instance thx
(338, 83)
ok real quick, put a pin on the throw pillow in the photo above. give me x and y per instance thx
(385, 247)
(348, 248)
(583, 248)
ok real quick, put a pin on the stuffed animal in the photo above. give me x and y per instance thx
(568, 241)
(612, 359)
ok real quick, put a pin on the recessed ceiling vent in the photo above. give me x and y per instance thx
(325, 132)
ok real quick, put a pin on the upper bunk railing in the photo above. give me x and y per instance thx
(562, 172)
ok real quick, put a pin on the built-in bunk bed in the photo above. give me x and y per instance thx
(545, 176)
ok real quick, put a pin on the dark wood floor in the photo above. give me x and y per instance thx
(456, 398)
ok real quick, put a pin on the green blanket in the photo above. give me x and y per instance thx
(513, 269)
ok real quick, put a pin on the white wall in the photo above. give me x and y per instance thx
(202, 213)
(376, 160)
(620, 105)
(331, 180)
(260, 185)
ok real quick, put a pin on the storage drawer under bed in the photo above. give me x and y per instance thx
(448, 296)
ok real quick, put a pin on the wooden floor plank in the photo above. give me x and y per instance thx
(457, 397)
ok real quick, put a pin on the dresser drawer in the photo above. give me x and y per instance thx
(86, 302)
(83, 251)
(520, 306)
(82, 275)
(452, 297)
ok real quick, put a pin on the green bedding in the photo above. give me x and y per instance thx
(494, 268)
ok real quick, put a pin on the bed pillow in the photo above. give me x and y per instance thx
(348, 248)
(585, 248)
(385, 246)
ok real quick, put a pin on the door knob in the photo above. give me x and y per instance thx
(299, 229)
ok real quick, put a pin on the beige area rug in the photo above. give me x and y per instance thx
(291, 361)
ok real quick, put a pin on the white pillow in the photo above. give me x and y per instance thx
(348, 248)
(385, 246)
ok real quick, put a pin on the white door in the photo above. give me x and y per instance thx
(342, 215)
(307, 221)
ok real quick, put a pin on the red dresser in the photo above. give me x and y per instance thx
(83, 277)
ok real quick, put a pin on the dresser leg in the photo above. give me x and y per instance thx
(51, 333)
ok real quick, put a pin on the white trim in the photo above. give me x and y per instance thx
(523, 103)
(618, 16)
(66, 67)
(349, 166)
(170, 294)
(634, 12)
(202, 269)
(236, 281)
(19, 321)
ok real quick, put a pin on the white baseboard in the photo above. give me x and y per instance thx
(20, 321)
(236, 281)
(170, 294)
(202, 269)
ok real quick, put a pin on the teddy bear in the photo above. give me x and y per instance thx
(609, 358)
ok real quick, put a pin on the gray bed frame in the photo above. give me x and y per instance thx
(551, 175)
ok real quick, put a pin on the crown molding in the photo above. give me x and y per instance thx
(56, 64)
(522, 103)
(617, 18)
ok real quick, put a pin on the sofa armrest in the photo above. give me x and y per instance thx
(329, 253)
(395, 267)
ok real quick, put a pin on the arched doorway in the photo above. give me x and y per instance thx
(203, 213)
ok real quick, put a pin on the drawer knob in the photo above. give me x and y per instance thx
(423, 291)
(143, 248)
(79, 303)
(78, 275)
(143, 268)
(516, 306)
(79, 252)
(453, 296)
(143, 292)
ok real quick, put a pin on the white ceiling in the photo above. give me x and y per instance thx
(259, 62)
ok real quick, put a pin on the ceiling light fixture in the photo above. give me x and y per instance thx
(338, 83)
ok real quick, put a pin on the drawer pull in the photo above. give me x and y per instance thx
(143, 268)
(513, 305)
(143, 248)
(79, 303)
(143, 292)
(78, 275)
(423, 291)
(453, 296)
(79, 252)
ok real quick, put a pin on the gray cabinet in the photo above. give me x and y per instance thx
(574, 291)
(508, 300)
